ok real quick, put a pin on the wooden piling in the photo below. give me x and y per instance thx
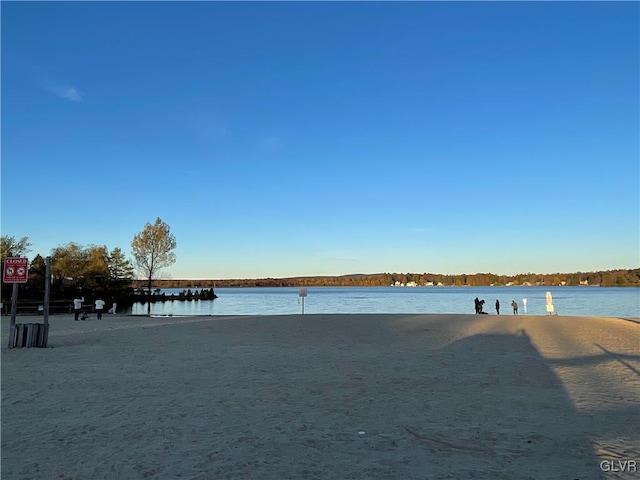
(28, 335)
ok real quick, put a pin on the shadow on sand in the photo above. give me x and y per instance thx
(503, 412)
(363, 405)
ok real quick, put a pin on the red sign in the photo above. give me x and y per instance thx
(16, 270)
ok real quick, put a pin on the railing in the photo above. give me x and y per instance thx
(39, 309)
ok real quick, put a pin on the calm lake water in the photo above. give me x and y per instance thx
(581, 301)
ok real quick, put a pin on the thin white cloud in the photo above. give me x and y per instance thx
(337, 257)
(65, 91)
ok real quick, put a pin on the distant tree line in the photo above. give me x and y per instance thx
(95, 271)
(609, 278)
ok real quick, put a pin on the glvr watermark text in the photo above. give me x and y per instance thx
(619, 466)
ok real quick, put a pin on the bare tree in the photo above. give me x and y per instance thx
(152, 251)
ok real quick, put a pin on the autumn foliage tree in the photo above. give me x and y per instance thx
(153, 250)
(92, 268)
(10, 247)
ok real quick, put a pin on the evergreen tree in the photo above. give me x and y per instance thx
(119, 267)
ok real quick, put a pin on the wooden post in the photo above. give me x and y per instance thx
(47, 294)
(14, 308)
(20, 335)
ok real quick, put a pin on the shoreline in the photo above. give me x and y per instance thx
(40, 318)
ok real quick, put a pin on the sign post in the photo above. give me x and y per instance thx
(47, 295)
(302, 293)
(15, 271)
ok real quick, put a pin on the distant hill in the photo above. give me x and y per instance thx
(608, 278)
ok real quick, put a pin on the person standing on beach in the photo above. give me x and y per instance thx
(515, 307)
(477, 302)
(99, 307)
(498, 307)
(77, 306)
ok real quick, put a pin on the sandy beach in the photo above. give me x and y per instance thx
(324, 397)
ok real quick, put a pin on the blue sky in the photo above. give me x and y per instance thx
(327, 138)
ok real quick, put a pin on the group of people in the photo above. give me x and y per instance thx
(480, 306)
(99, 308)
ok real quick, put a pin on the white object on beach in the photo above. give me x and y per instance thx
(549, 303)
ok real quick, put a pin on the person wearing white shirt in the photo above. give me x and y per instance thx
(77, 306)
(99, 307)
